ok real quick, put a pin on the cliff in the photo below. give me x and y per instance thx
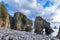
(4, 17)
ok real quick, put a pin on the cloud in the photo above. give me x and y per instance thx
(56, 18)
(26, 12)
(48, 9)
(0, 0)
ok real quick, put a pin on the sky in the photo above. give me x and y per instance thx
(47, 9)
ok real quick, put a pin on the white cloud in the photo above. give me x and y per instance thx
(34, 3)
(25, 11)
(27, 7)
(17, 1)
(56, 18)
(0, 0)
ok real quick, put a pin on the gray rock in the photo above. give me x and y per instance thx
(8, 34)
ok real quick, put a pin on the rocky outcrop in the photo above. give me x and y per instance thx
(40, 23)
(58, 35)
(28, 25)
(12, 22)
(18, 22)
(21, 22)
(4, 17)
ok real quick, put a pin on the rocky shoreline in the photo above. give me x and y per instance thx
(8, 34)
(16, 25)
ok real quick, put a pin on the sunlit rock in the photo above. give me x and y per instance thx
(22, 23)
(4, 17)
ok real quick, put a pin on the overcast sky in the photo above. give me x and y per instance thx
(47, 9)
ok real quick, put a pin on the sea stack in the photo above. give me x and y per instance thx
(40, 24)
(22, 23)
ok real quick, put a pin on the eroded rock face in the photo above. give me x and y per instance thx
(40, 23)
(28, 24)
(58, 35)
(21, 22)
(12, 22)
(18, 22)
(4, 17)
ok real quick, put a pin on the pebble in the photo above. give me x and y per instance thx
(8, 34)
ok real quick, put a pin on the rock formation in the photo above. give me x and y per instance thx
(40, 23)
(28, 25)
(12, 22)
(18, 22)
(21, 21)
(58, 35)
(4, 17)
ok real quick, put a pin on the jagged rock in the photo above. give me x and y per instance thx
(58, 35)
(21, 21)
(18, 22)
(47, 27)
(28, 25)
(12, 22)
(40, 23)
(4, 17)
